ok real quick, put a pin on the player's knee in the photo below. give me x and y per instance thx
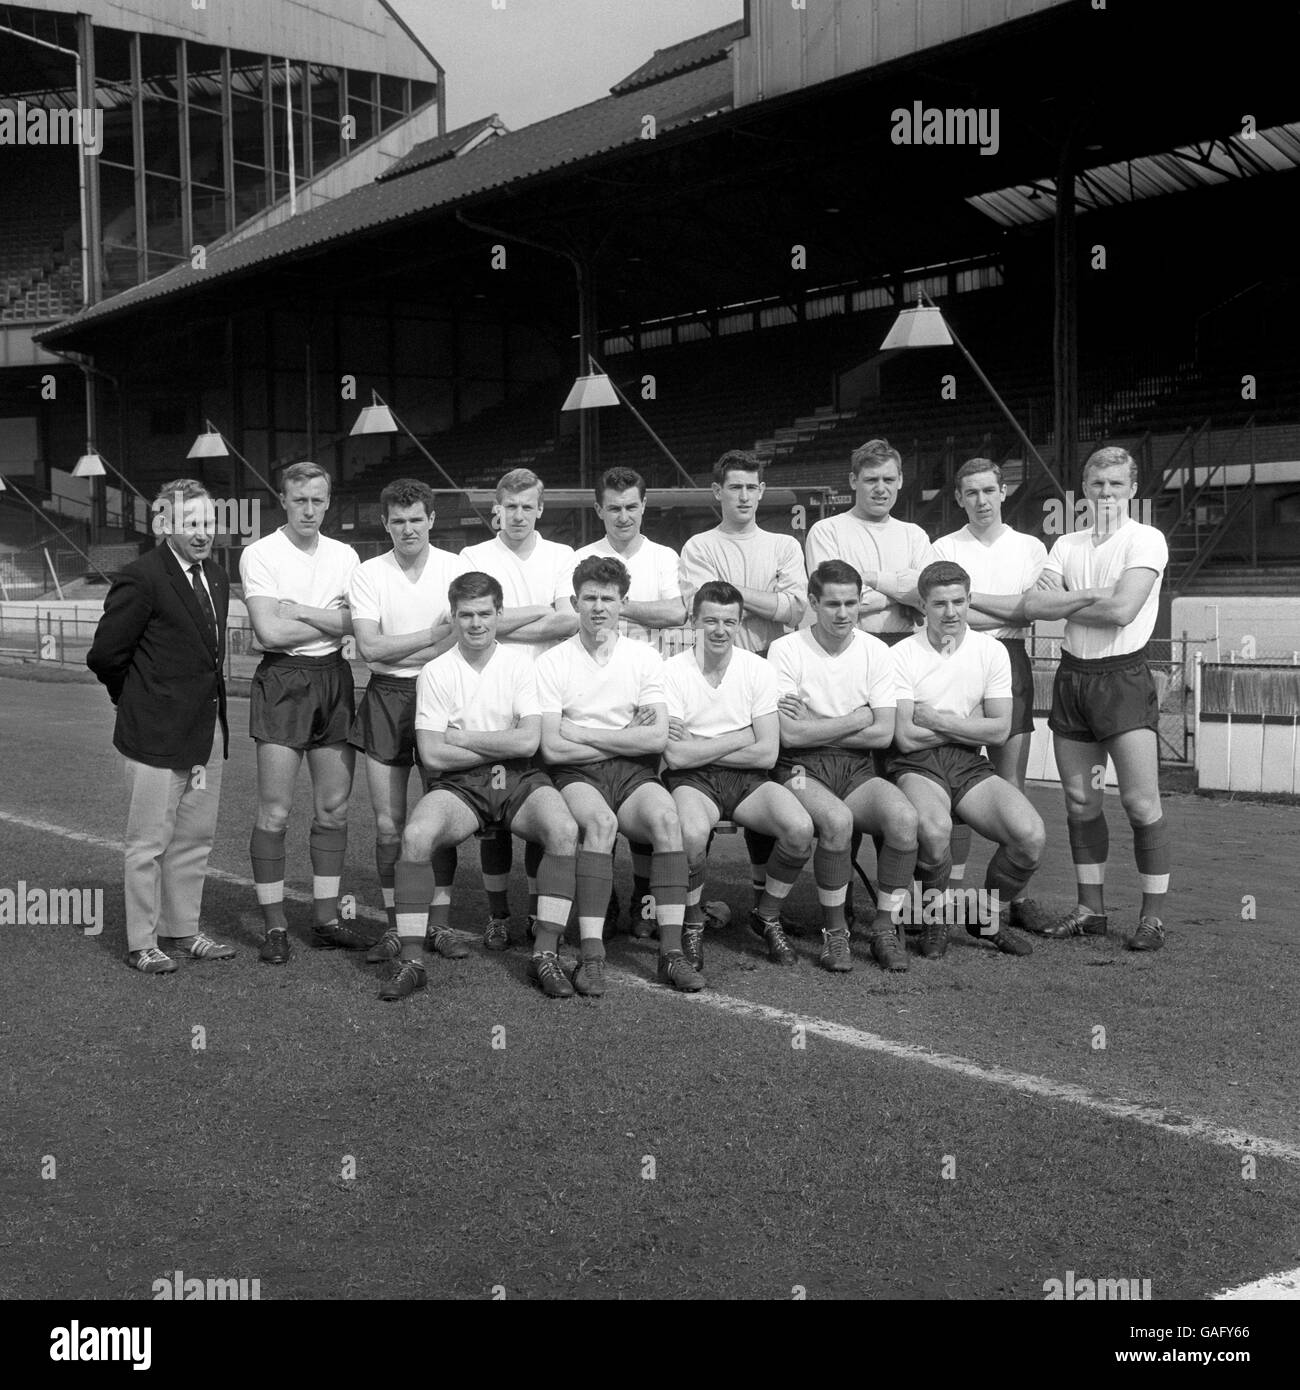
(273, 817)
(797, 832)
(901, 827)
(665, 829)
(332, 812)
(1141, 807)
(417, 844)
(933, 834)
(1032, 838)
(560, 837)
(835, 828)
(600, 832)
(388, 829)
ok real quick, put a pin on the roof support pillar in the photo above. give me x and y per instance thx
(1065, 327)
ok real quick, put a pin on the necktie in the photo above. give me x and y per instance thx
(205, 603)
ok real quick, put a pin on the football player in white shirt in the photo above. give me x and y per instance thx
(1002, 563)
(723, 738)
(767, 570)
(301, 701)
(954, 697)
(653, 612)
(400, 618)
(886, 552)
(1105, 581)
(837, 704)
(536, 577)
(604, 725)
(477, 724)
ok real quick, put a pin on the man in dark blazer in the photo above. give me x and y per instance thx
(159, 649)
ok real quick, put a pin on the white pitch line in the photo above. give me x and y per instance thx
(1276, 1286)
(1207, 1131)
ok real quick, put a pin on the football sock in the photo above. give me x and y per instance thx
(1090, 848)
(669, 877)
(412, 889)
(831, 870)
(594, 880)
(783, 867)
(266, 850)
(1151, 849)
(387, 853)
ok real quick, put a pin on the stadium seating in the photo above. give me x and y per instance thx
(40, 273)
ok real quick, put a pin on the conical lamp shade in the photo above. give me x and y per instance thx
(209, 445)
(374, 419)
(89, 465)
(590, 392)
(922, 326)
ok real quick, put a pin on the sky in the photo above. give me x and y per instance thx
(529, 59)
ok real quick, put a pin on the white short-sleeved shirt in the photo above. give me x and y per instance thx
(570, 682)
(383, 592)
(275, 568)
(546, 576)
(653, 570)
(450, 693)
(1009, 565)
(890, 546)
(747, 692)
(1083, 565)
(833, 686)
(956, 682)
(756, 559)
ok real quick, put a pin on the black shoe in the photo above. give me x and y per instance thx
(546, 972)
(1008, 943)
(1150, 935)
(446, 943)
(693, 946)
(589, 977)
(677, 971)
(388, 947)
(409, 976)
(836, 955)
(339, 936)
(779, 949)
(888, 949)
(1079, 921)
(934, 939)
(276, 949)
(1029, 916)
(496, 935)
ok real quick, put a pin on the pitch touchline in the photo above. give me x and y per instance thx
(1241, 1141)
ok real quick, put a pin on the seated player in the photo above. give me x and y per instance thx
(477, 726)
(836, 708)
(723, 738)
(954, 697)
(604, 725)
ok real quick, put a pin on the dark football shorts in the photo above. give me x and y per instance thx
(1095, 700)
(955, 767)
(840, 770)
(494, 798)
(726, 787)
(384, 728)
(1022, 686)
(301, 702)
(614, 778)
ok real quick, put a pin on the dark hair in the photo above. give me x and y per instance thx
(618, 480)
(717, 591)
(737, 461)
(405, 492)
(471, 585)
(973, 466)
(602, 569)
(939, 573)
(832, 572)
(874, 451)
